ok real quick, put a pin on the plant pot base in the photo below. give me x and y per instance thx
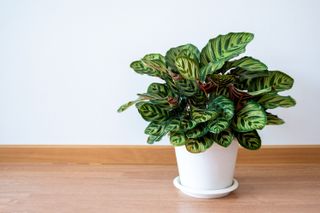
(205, 193)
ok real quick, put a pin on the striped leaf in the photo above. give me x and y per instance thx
(200, 116)
(246, 63)
(187, 87)
(151, 112)
(151, 64)
(223, 80)
(187, 50)
(273, 100)
(154, 129)
(276, 80)
(187, 124)
(152, 138)
(155, 61)
(141, 68)
(225, 47)
(224, 138)
(198, 145)
(209, 69)
(199, 131)
(273, 119)
(159, 89)
(249, 140)
(172, 86)
(188, 68)
(244, 75)
(218, 125)
(125, 106)
(223, 104)
(252, 116)
(177, 139)
(167, 126)
(199, 99)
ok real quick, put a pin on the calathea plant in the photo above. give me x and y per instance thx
(208, 98)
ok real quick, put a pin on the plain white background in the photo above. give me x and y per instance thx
(64, 65)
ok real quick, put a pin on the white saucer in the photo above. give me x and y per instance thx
(205, 193)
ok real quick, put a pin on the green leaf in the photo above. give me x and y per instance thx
(199, 99)
(273, 119)
(199, 131)
(154, 129)
(187, 87)
(249, 75)
(251, 116)
(188, 68)
(259, 92)
(165, 128)
(276, 80)
(155, 61)
(198, 145)
(247, 63)
(152, 138)
(225, 47)
(218, 125)
(224, 138)
(151, 64)
(273, 100)
(223, 104)
(187, 50)
(151, 112)
(223, 80)
(209, 69)
(249, 140)
(177, 139)
(200, 116)
(161, 90)
(125, 106)
(187, 124)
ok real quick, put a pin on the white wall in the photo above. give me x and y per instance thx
(64, 65)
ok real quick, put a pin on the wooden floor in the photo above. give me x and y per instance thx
(137, 188)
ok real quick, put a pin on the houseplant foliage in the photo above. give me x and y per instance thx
(208, 96)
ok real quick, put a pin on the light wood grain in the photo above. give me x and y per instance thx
(151, 155)
(74, 188)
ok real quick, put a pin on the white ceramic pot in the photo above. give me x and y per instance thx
(208, 174)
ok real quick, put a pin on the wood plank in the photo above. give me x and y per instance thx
(69, 188)
(157, 155)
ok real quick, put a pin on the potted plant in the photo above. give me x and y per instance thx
(208, 104)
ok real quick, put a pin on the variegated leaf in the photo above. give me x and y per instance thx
(159, 89)
(199, 131)
(249, 140)
(223, 80)
(187, 50)
(276, 80)
(273, 100)
(154, 128)
(200, 116)
(188, 68)
(273, 119)
(198, 145)
(151, 112)
(187, 87)
(209, 69)
(225, 47)
(218, 125)
(246, 63)
(252, 116)
(223, 104)
(177, 138)
(224, 138)
(125, 106)
(187, 124)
